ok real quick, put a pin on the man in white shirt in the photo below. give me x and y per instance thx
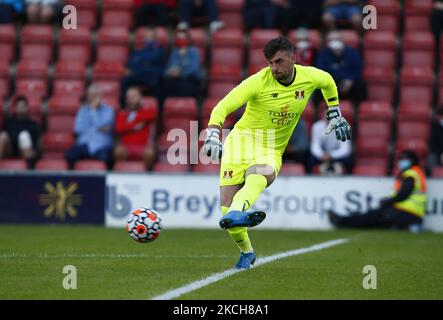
(332, 155)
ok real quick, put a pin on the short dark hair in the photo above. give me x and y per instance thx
(20, 98)
(278, 44)
(410, 155)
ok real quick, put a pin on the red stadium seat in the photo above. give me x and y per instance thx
(180, 108)
(413, 129)
(70, 70)
(31, 87)
(63, 105)
(83, 4)
(222, 72)
(69, 87)
(51, 165)
(229, 37)
(437, 172)
(232, 19)
(230, 5)
(418, 58)
(60, 123)
(34, 105)
(256, 59)
(375, 110)
(418, 146)
(74, 52)
(90, 165)
(198, 36)
(367, 146)
(109, 53)
(108, 87)
(161, 36)
(418, 7)
(419, 41)
(369, 170)
(116, 36)
(176, 123)
(374, 129)
(37, 34)
(167, 167)
(86, 18)
(414, 111)
(314, 37)
(108, 70)
(227, 56)
(292, 169)
(34, 52)
(385, 59)
(416, 23)
(259, 37)
(7, 52)
(351, 38)
(117, 18)
(220, 89)
(127, 5)
(387, 22)
(388, 7)
(129, 166)
(77, 36)
(416, 84)
(6, 165)
(206, 168)
(55, 141)
(382, 40)
(4, 88)
(4, 70)
(7, 42)
(30, 69)
(381, 162)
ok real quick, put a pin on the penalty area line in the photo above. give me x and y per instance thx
(175, 293)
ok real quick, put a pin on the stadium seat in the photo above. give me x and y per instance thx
(90, 165)
(418, 7)
(418, 58)
(368, 146)
(31, 87)
(115, 36)
(34, 105)
(129, 166)
(57, 142)
(51, 165)
(208, 105)
(292, 169)
(419, 40)
(375, 110)
(259, 37)
(232, 19)
(382, 40)
(60, 123)
(7, 52)
(164, 143)
(105, 70)
(74, 53)
(374, 129)
(114, 54)
(386, 7)
(229, 37)
(416, 84)
(77, 36)
(109, 87)
(37, 34)
(314, 37)
(161, 34)
(414, 111)
(4, 69)
(351, 38)
(379, 58)
(4, 88)
(416, 23)
(381, 162)
(167, 167)
(387, 22)
(87, 18)
(69, 87)
(30, 69)
(198, 36)
(12, 164)
(369, 170)
(418, 145)
(7, 42)
(63, 105)
(230, 5)
(117, 18)
(256, 60)
(220, 89)
(206, 168)
(36, 52)
(169, 124)
(413, 129)
(70, 70)
(437, 172)
(223, 72)
(175, 107)
(118, 5)
(227, 56)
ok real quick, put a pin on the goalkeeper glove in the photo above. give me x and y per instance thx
(338, 124)
(213, 147)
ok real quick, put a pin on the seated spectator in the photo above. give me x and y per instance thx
(135, 130)
(261, 14)
(41, 11)
(145, 66)
(300, 14)
(188, 8)
(183, 71)
(158, 9)
(349, 11)
(10, 8)
(333, 156)
(436, 142)
(437, 20)
(304, 52)
(20, 135)
(298, 146)
(94, 124)
(345, 64)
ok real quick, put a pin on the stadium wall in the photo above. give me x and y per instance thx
(190, 200)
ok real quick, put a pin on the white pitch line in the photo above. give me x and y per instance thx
(175, 293)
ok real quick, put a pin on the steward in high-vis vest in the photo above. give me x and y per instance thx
(404, 209)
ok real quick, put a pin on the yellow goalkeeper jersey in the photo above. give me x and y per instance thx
(272, 106)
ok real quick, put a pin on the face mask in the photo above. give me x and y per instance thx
(181, 43)
(336, 45)
(404, 164)
(302, 45)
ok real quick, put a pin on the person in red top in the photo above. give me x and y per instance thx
(135, 130)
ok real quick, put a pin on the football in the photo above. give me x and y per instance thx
(144, 225)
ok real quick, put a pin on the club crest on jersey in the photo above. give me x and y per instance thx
(227, 174)
(299, 95)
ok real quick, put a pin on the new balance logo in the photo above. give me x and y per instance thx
(274, 95)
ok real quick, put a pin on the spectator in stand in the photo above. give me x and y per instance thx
(342, 10)
(333, 156)
(300, 14)
(188, 8)
(157, 9)
(145, 66)
(135, 130)
(304, 52)
(345, 64)
(261, 14)
(436, 141)
(437, 20)
(20, 135)
(42, 11)
(94, 124)
(183, 71)
(10, 8)
(298, 147)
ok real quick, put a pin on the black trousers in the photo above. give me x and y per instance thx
(387, 218)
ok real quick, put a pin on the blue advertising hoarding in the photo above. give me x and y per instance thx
(52, 198)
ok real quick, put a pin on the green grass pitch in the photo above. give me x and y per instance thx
(110, 265)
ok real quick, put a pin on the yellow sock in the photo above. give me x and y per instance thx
(239, 235)
(246, 196)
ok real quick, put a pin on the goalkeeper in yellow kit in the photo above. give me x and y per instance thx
(251, 156)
